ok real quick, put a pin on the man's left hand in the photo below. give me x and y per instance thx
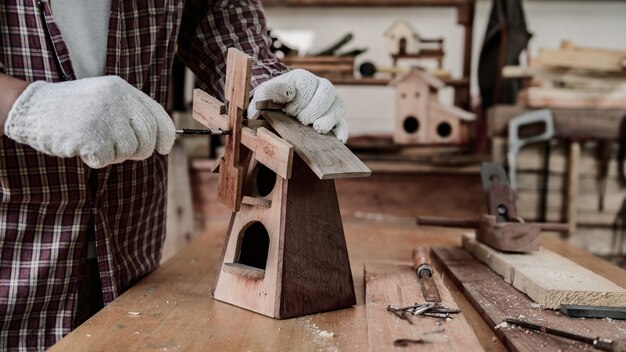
(309, 98)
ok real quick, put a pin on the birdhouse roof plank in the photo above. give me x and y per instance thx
(325, 155)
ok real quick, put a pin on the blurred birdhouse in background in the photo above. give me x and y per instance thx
(421, 118)
(402, 39)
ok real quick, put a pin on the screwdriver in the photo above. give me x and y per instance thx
(203, 132)
(598, 342)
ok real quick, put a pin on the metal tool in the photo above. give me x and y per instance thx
(515, 142)
(430, 309)
(500, 196)
(203, 132)
(598, 342)
(424, 271)
(577, 311)
(407, 342)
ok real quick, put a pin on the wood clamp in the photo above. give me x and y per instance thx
(285, 253)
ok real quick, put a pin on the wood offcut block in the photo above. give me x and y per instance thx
(548, 278)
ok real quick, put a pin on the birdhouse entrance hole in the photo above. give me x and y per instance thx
(255, 244)
(265, 180)
(411, 124)
(444, 130)
(402, 48)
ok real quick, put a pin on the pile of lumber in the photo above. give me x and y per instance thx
(530, 180)
(323, 65)
(574, 77)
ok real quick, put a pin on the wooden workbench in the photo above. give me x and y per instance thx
(172, 308)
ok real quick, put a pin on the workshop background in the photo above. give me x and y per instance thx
(487, 182)
(372, 114)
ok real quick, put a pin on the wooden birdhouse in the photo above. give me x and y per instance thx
(421, 118)
(285, 253)
(402, 39)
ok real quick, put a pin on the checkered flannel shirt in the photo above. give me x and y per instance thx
(47, 206)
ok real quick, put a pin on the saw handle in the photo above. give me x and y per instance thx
(421, 262)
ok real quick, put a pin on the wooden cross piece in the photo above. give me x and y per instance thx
(268, 148)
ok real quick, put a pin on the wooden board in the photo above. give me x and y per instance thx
(583, 58)
(548, 278)
(397, 285)
(540, 97)
(568, 123)
(327, 157)
(496, 300)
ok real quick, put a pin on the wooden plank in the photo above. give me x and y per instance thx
(327, 157)
(257, 201)
(540, 97)
(274, 152)
(583, 58)
(271, 150)
(568, 123)
(571, 199)
(496, 300)
(548, 278)
(209, 111)
(387, 284)
(180, 226)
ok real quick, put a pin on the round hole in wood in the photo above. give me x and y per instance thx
(255, 244)
(265, 180)
(444, 129)
(411, 124)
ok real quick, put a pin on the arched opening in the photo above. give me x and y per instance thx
(265, 180)
(255, 244)
(411, 124)
(444, 129)
(402, 46)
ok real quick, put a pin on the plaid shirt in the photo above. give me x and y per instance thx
(47, 204)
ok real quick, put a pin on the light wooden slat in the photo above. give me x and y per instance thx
(259, 202)
(496, 300)
(583, 58)
(272, 151)
(327, 157)
(209, 111)
(568, 123)
(573, 98)
(548, 278)
(277, 153)
(397, 285)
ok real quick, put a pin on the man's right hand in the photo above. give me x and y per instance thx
(102, 120)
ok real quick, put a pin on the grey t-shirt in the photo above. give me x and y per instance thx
(84, 27)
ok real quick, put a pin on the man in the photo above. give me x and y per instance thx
(82, 165)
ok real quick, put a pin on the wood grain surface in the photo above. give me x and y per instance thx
(568, 123)
(496, 300)
(327, 157)
(176, 311)
(548, 278)
(397, 285)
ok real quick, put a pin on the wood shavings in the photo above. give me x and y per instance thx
(502, 325)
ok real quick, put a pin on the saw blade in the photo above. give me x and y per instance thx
(429, 289)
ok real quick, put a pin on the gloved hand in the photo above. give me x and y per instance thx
(310, 99)
(103, 120)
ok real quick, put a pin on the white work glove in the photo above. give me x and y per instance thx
(103, 120)
(310, 99)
